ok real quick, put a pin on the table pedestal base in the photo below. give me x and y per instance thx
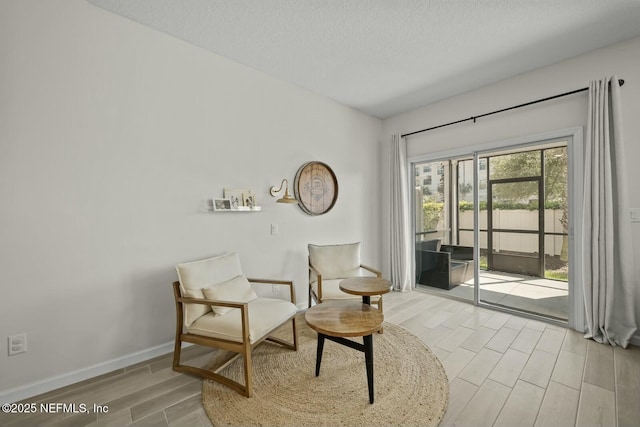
(366, 348)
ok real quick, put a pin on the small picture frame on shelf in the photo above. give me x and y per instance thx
(235, 196)
(249, 199)
(221, 204)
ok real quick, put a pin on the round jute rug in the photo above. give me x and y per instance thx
(411, 387)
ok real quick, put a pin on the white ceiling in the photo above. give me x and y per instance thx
(385, 57)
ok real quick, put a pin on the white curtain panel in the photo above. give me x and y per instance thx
(399, 228)
(607, 250)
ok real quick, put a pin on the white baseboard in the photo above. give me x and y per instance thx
(44, 386)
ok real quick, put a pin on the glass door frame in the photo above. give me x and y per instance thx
(574, 138)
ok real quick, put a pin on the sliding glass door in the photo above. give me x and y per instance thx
(444, 256)
(522, 228)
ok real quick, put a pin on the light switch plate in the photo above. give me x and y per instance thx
(635, 214)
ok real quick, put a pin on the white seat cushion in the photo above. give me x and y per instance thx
(198, 275)
(264, 315)
(331, 290)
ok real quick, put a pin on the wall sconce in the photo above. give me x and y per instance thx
(287, 197)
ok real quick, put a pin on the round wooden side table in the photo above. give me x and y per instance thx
(365, 286)
(335, 320)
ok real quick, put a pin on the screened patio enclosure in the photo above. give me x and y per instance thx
(522, 225)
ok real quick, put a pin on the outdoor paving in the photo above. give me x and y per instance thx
(529, 294)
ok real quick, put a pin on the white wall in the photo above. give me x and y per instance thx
(622, 59)
(112, 138)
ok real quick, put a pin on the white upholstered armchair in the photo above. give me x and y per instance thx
(329, 264)
(216, 306)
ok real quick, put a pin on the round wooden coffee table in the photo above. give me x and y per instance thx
(335, 320)
(365, 286)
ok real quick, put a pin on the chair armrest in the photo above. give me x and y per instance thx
(314, 270)
(243, 306)
(292, 291)
(377, 272)
(231, 304)
(272, 282)
(433, 260)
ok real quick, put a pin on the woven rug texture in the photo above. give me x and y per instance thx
(410, 384)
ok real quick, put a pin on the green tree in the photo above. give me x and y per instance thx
(432, 211)
(527, 164)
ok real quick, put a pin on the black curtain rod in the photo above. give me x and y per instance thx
(504, 109)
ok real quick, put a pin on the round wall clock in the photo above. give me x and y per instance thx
(316, 188)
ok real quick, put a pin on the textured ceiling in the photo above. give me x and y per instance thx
(385, 57)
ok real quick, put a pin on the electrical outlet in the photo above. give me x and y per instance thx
(274, 229)
(17, 344)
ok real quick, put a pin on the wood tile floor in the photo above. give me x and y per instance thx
(503, 370)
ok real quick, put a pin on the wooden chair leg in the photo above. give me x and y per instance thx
(248, 369)
(215, 376)
(177, 349)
